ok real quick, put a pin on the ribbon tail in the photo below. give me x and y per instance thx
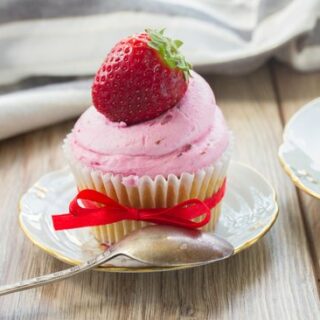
(174, 220)
(96, 218)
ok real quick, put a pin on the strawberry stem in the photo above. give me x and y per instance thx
(169, 51)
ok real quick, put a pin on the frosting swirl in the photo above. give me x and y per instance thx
(186, 138)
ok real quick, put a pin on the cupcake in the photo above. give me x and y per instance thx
(154, 136)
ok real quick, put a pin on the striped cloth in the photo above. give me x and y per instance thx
(71, 38)
(58, 37)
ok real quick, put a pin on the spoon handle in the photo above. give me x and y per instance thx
(59, 275)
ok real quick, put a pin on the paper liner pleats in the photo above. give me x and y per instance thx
(160, 192)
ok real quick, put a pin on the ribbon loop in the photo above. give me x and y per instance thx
(98, 209)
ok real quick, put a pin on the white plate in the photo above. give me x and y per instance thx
(300, 151)
(249, 210)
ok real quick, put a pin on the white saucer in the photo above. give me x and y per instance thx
(249, 211)
(300, 151)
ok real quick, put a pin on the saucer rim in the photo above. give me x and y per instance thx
(113, 269)
(285, 165)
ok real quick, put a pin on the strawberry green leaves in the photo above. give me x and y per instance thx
(169, 51)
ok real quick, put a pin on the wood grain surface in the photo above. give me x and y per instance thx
(277, 278)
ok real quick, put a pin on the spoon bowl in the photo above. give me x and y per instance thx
(168, 246)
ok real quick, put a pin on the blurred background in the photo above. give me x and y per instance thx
(57, 40)
(57, 37)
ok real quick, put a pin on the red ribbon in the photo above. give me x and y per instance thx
(181, 215)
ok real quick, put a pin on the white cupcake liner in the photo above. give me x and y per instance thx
(160, 192)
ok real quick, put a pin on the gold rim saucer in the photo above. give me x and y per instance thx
(41, 191)
(306, 171)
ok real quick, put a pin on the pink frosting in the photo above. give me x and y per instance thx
(188, 137)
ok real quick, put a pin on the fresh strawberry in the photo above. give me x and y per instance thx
(143, 76)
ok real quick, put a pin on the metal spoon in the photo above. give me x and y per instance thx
(160, 246)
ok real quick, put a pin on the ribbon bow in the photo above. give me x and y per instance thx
(110, 211)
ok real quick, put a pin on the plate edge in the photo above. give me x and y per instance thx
(238, 249)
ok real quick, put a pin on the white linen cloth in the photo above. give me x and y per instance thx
(66, 38)
(35, 108)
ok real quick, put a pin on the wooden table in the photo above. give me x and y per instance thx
(277, 278)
